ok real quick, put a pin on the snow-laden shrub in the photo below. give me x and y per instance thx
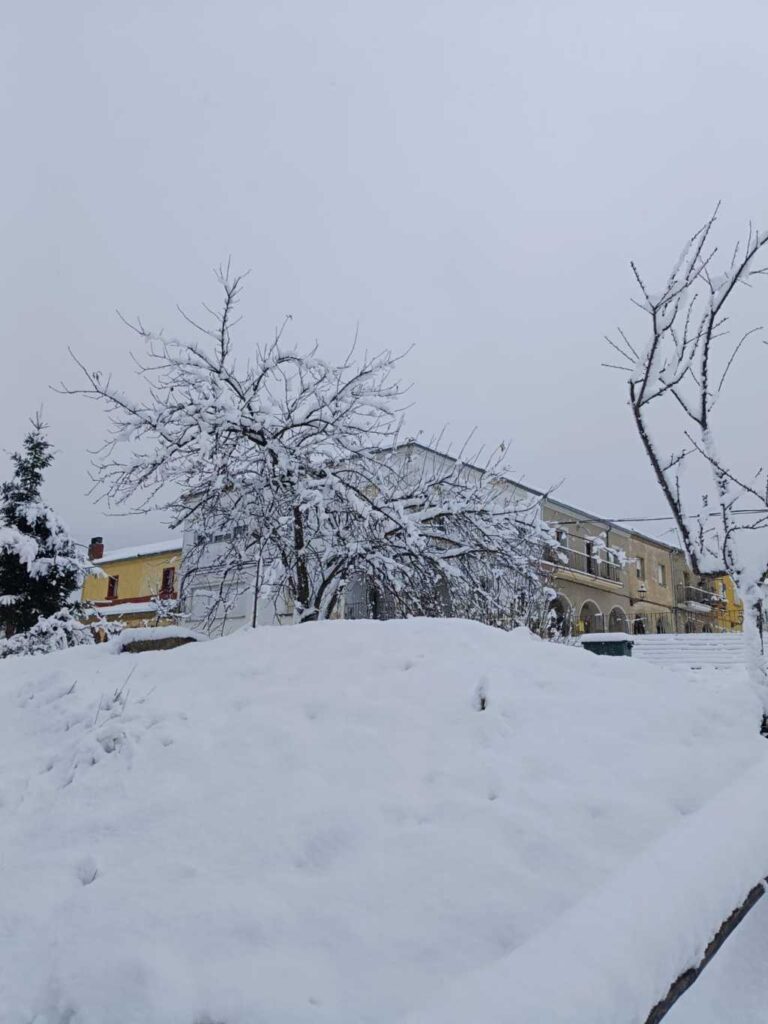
(55, 633)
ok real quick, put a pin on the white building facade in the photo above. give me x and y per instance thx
(251, 599)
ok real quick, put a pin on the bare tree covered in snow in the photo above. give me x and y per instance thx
(284, 468)
(684, 362)
(458, 538)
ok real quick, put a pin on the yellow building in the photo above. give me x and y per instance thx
(709, 602)
(729, 611)
(132, 580)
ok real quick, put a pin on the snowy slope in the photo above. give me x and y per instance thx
(317, 823)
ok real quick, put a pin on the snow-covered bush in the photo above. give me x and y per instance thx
(166, 609)
(54, 633)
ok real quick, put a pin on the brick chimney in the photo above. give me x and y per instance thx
(96, 548)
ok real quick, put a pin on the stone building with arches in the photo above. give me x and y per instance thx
(611, 579)
(605, 576)
(589, 571)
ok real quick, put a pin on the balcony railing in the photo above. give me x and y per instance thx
(698, 595)
(590, 565)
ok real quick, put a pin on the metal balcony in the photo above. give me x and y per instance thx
(698, 595)
(590, 565)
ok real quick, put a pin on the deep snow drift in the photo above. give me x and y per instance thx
(319, 823)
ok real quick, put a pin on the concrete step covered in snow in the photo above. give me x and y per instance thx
(691, 650)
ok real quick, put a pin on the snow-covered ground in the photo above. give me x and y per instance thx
(329, 822)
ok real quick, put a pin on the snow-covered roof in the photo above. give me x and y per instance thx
(158, 547)
(581, 515)
(127, 608)
(412, 443)
(590, 638)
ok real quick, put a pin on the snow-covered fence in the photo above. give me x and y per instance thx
(627, 951)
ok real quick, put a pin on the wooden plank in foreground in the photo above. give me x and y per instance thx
(687, 978)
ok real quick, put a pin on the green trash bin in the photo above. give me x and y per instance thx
(615, 645)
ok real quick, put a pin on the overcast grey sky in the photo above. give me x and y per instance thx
(469, 178)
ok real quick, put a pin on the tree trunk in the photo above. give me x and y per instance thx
(303, 595)
(256, 589)
(754, 644)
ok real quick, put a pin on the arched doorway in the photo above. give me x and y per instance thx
(591, 618)
(560, 617)
(617, 621)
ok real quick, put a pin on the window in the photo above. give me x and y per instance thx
(641, 568)
(560, 554)
(661, 574)
(201, 603)
(610, 569)
(169, 581)
(112, 587)
(589, 550)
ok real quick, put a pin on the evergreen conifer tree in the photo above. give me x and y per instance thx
(40, 571)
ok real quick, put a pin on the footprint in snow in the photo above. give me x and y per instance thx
(86, 870)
